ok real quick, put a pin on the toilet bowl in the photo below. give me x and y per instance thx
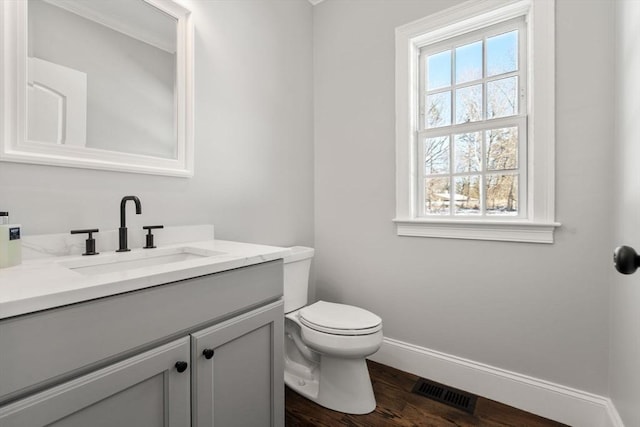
(326, 344)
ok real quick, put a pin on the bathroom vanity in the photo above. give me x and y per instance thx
(192, 342)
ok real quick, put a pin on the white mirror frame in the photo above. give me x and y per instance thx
(14, 145)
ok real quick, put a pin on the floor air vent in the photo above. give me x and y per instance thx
(449, 396)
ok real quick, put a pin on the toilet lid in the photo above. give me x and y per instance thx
(339, 319)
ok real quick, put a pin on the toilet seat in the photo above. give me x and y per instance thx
(339, 319)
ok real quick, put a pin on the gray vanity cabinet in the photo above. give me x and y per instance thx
(142, 391)
(112, 361)
(237, 371)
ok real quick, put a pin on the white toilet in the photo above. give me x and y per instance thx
(326, 344)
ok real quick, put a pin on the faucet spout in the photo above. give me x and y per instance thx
(122, 231)
(123, 203)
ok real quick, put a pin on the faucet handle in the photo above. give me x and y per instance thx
(149, 236)
(90, 244)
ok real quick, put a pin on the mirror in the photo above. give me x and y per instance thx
(96, 84)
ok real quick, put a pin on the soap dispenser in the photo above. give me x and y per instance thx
(10, 243)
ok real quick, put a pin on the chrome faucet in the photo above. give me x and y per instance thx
(123, 222)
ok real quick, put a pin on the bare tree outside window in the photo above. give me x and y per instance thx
(472, 172)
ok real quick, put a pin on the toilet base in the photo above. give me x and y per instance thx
(339, 384)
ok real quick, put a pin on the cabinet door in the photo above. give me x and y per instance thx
(242, 382)
(142, 391)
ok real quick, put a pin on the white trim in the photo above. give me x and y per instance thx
(544, 398)
(505, 231)
(540, 203)
(465, 17)
(14, 145)
(614, 419)
(542, 110)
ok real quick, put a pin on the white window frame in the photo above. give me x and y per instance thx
(536, 223)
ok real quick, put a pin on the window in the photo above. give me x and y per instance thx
(474, 142)
(472, 124)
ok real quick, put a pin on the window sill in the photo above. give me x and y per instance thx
(497, 230)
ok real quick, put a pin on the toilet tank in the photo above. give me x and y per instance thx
(296, 277)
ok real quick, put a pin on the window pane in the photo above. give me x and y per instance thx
(502, 195)
(467, 195)
(436, 155)
(469, 104)
(438, 110)
(502, 97)
(467, 152)
(502, 53)
(469, 62)
(502, 148)
(436, 191)
(439, 70)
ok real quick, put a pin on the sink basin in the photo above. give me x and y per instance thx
(111, 263)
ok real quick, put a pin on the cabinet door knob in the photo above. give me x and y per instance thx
(208, 353)
(181, 366)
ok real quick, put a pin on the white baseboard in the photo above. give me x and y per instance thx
(556, 402)
(613, 417)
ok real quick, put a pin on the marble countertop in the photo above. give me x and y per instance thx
(44, 283)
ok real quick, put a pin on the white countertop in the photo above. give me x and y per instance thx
(39, 284)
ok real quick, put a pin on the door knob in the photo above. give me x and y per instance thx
(208, 353)
(181, 366)
(626, 259)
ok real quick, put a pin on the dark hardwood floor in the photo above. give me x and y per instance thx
(397, 406)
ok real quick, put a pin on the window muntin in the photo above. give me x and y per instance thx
(472, 126)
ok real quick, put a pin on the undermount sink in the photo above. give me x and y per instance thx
(111, 263)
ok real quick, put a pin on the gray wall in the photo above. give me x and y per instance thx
(540, 310)
(253, 134)
(625, 290)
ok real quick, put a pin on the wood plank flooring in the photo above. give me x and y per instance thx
(397, 406)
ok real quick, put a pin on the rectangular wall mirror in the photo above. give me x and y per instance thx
(98, 84)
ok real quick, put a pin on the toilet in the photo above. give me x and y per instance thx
(326, 343)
